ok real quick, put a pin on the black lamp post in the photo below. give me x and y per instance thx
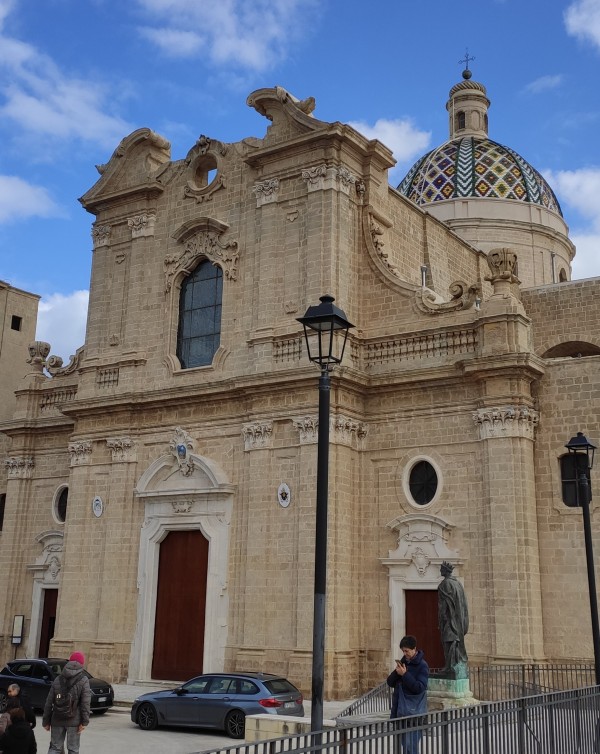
(330, 326)
(582, 452)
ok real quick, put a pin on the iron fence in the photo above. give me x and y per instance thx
(563, 722)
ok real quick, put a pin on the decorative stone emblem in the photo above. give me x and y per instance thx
(181, 506)
(19, 467)
(101, 235)
(257, 435)
(54, 568)
(420, 561)
(284, 496)
(97, 507)
(179, 447)
(121, 448)
(81, 452)
(506, 421)
(203, 243)
(38, 353)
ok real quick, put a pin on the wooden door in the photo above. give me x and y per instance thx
(48, 621)
(180, 606)
(422, 622)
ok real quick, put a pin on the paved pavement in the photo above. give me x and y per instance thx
(114, 733)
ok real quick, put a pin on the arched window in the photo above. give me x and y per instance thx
(562, 276)
(461, 120)
(199, 330)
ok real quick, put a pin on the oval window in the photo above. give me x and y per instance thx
(423, 482)
(60, 506)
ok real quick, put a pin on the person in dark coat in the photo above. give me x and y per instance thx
(409, 680)
(14, 691)
(18, 737)
(72, 682)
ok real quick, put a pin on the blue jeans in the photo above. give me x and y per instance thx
(57, 740)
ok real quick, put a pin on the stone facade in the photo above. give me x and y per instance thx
(470, 373)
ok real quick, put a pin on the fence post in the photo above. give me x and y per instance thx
(521, 722)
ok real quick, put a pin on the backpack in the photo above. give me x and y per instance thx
(65, 702)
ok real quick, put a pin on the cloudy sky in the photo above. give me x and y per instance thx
(76, 76)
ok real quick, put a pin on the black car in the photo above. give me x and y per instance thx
(35, 676)
(218, 700)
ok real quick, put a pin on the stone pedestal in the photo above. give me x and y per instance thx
(446, 693)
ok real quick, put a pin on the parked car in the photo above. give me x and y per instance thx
(218, 700)
(35, 676)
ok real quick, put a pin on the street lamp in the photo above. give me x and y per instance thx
(327, 325)
(582, 453)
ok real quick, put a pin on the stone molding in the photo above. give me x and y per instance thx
(258, 435)
(81, 452)
(121, 448)
(20, 467)
(101, 235)
(142, 225)
(342, 430)
(266, 191)
(506, 421)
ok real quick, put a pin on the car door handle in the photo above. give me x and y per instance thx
(226, 699)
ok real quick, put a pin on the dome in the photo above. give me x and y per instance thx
(474, 166)
(470, 165)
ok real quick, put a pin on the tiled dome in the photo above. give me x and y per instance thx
(476, 167)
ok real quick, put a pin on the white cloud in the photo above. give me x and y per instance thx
(579, 190)
(252, 35)
(43, 100)
(19, 199)
(544, 84)
(582, 19)
(405, 140)
(61, 322)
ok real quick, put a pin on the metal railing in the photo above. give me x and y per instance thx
(491, 683)
(563, 722)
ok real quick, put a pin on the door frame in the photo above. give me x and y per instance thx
(173, 501)
(46, 575)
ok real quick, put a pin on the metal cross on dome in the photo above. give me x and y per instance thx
(467, 59)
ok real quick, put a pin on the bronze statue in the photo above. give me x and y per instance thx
(453, 619)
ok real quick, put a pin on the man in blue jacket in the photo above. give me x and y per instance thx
(409, 680)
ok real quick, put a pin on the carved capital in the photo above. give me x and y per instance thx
(20, 467)
(342, 430)
(81, 452)
(506, 421)
(266, 191)
(101, 235)
(121, 448)
(257, 435)
(315, 177)
(142, 225)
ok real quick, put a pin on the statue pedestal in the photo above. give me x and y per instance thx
(446, 693)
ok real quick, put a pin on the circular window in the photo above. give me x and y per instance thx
(60, 505)
(423, 482)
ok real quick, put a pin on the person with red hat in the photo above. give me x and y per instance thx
(67, 708)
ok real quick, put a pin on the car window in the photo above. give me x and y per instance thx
(197, 686)
(247, 687)
(39, 671)
(280, 686)
(222, 686)
(57, 667)
(22, 668)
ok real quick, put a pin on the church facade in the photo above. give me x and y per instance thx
(164, 520)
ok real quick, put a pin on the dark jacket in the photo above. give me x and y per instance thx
(18, 739)
(78, 685)
(410, 690)
(27, 708)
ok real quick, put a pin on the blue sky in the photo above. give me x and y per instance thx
(76, 76)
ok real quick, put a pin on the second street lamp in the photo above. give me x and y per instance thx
(582, 453)
(326, 331)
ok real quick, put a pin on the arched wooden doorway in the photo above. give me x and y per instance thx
(180, 606)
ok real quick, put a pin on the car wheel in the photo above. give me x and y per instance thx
(3, 700)
(235, 724)
(147, 718)
(100, 711)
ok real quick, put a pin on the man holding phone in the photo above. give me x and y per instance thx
(409, 680)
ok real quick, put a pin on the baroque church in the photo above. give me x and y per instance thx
(160, 488)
